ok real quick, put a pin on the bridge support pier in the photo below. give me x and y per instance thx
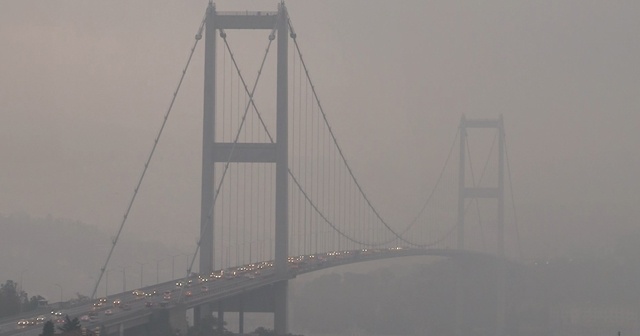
(220, 318)
(200, 313)
(281, 309)
(197, 317)
(241, 316)
(459, 300)
(121, 329)
(178, 319)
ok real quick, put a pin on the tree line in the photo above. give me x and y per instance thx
(14, 300)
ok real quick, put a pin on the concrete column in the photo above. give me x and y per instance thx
(241, 321)
(178, 319)
(121, 329)
(208, 172)
(282, 177)
(197, 318)
(459, 299)
(282, 148)
(220, 318)
(280, 314)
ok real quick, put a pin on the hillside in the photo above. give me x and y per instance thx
(42, 252)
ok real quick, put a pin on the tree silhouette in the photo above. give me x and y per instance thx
(9, 298)
(70, 325)
(208, 326)
(48, 329)
(262, 331)
(33, 302)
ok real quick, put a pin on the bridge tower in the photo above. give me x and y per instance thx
(276, 153)
(497, 192)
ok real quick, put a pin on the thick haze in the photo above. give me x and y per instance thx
(84, 86)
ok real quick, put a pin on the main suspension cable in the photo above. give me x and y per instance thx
(153, 148)
(342, 156)
(433, 190)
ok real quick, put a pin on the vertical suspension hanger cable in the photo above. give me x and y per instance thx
(251, 192)
(292, 149)
(224, 126)
(362, 221)
(237, 188)
(298, 154)
(306, 163)
(262, 176)
(243, 235)
(343, 197)
(302, 162)
(246, 205)
(311, 163)
(352, 220)
(321, 184)
(315, 174)
(331, 195)
(230, 172)
(334, 178)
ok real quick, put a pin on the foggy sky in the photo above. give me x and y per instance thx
(84, 85)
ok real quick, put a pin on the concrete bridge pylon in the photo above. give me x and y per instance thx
(275, 153)
(497, 193)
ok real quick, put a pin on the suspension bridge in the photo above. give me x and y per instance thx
(279, 197)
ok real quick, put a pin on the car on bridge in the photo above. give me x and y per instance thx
(230, 274)
(139, 294)
(216, 275)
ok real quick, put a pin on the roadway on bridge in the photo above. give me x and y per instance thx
(198, 289)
